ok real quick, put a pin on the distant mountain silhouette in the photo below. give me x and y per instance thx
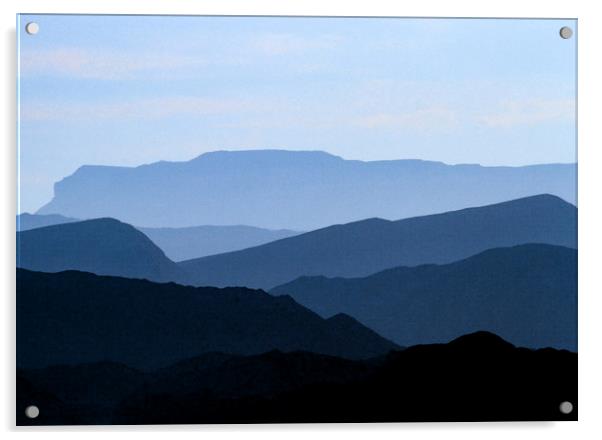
(102, 246)
(365, 247)
(301, 190)
(28, 221)
(77, 317)
(527, 294)
(478, 377)
(198, 241)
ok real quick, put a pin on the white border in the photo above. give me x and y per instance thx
(590, 221)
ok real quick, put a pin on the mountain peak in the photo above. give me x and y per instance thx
(539, 198)
(104, 246)
(482, 340)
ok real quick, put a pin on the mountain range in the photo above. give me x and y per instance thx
(72, 317)
(527, 294)
(299, 190)
(471, 269)
(477, 377)
(132, 316)
(110, 247)
(365, 247)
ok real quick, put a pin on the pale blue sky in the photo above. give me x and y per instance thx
(127, 90)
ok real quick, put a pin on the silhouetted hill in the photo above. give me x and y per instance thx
(77, 317)
(365, 247)
(301, 190)
(527, 294)
(266, 374)
(181, 243)
(28, 221)
(478, 377)
(198, 241)
(104, 383)
(101, 246)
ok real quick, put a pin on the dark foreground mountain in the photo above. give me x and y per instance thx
(77, 317)
(478, 377)
(198, 241)
(101, 246)
(527, 294)
(28, 221)
(300, 190)
(369, 246)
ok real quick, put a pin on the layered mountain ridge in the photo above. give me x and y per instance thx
(76, 317)
(369, 246)
(527, 294)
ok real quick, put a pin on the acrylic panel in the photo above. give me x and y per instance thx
(295, 219)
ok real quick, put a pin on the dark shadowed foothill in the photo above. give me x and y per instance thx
(526, 294)
(77, 317)
(477, 377)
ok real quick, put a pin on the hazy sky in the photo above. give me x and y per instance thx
(127, 90)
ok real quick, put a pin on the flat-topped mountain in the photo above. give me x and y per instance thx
(527, 294)
(300, 190)
(362, 248)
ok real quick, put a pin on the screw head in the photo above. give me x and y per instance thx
(566, 407)
(32, 411)
(566, 32)
(32, 28)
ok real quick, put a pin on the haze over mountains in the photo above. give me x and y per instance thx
(527, 294)
(110, 247)
(365, 247)
(111, 329)
(197, 241)
(299, 190)
(76, 317)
